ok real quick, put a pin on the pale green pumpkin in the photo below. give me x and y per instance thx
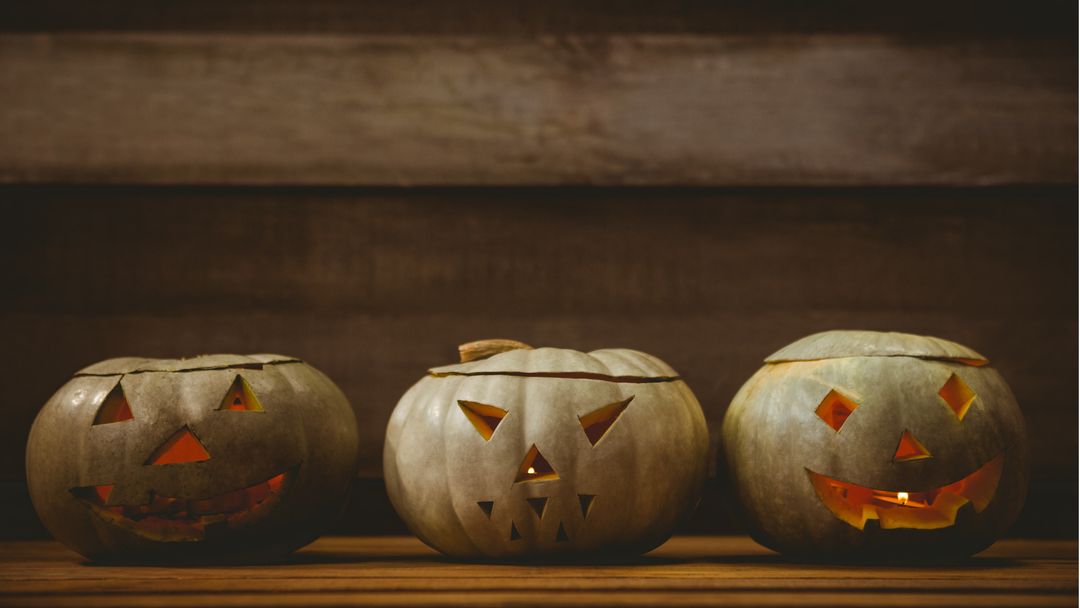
(545, 452)
(854, 443)
(217, 457)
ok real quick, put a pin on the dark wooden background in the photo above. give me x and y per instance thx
(365, 185)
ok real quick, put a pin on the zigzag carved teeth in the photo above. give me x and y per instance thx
(538, 505)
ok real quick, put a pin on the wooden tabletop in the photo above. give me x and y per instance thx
(402, 571)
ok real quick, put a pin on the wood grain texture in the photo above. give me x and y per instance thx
(685, 571)
(374, 287)
(639, 109)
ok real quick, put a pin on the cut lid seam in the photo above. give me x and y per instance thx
(254, 365)
(565, 375)
(972, 361)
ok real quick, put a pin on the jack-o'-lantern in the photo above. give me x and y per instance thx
(217, 457)
(856, 444)
(523, 453)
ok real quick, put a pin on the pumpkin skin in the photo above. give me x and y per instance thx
(213, 458)
(916, 468)
(472, 497)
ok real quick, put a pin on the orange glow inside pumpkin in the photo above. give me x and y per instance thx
(927, 510)
(597, 422)
(175, 518)
(240, 397)
(971, 362)
(957, 395)
(182, 447)
(115, 407)
(485, 418)
(835, 408)
(910, 448)
(103, 492)
(535, 467)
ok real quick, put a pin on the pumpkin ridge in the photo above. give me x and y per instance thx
(457, 518)
(636, 363)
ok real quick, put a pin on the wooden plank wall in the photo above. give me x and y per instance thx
(862, 99)
(366, 185)
(250, 109)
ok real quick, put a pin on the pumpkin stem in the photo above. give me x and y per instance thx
(482, 349)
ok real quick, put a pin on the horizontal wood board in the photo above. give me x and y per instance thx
(725, 108)
(914, 18)
(375, 286)
(685, 571)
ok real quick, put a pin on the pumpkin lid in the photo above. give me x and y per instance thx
(613, 364)
(857, 343)
(138, 365)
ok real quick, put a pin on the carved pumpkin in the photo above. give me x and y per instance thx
(220, 457)
(856, 443)
(545, 452)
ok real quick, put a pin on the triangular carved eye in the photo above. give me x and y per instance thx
(957, 395)
(240, 397)
(597, 422)
(115, 407)
(538, 505)
(835, 408)
(485, 418)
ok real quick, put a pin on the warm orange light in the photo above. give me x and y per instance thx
(485, 418)
(535, 467)
(182, 447)
(175, 518)
(910, 448)
(835, 408)
(957, 395)
(240, 397)
(597, 422)
(275, 482)
(115, 407)
(930, 509)
(103, 492)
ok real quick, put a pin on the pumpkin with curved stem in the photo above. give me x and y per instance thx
(866, 444)
(217, 457)
(521, 452)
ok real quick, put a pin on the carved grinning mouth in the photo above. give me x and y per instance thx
(538, 504)
(171, 518)
(927, 510)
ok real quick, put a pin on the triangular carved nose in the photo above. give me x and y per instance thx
(910, 448)
(535, 467)
(182, 447)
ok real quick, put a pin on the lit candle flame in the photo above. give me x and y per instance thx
(532, 471)
(902, 497)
